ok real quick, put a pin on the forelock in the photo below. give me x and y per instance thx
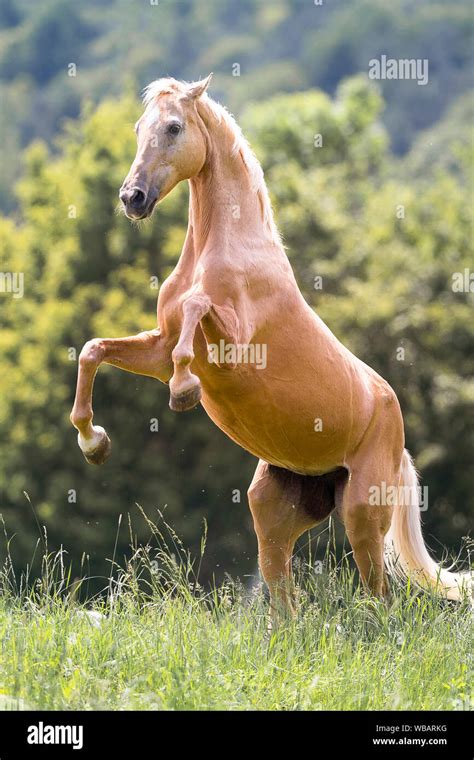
(166, 86)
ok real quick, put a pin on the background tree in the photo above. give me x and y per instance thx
(374, 238)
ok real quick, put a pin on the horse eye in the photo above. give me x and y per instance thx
(174, 129)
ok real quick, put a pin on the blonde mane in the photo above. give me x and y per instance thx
(240, 147)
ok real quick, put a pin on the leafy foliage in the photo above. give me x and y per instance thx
(282, 46)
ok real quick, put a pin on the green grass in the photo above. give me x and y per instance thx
(157, 640)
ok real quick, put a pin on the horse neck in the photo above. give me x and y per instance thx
(225, 211)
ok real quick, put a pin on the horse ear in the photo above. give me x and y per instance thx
(196, 89)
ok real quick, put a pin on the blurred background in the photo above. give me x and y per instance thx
(375, 215)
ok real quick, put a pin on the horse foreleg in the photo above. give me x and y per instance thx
(185, 388)
(143, 354)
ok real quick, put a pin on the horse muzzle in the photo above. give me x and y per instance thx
(137, 203)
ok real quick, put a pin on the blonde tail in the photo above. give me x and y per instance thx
(406, 554)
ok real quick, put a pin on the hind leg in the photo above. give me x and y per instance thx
(366, 532)
(367, 506)
(279, 520)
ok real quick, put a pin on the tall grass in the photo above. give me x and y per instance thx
(157, 639)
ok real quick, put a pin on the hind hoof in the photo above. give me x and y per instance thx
(97, 450)
(183, 402)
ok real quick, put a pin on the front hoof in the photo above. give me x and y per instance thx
(96, 450)
(101, 454)
(183, 402)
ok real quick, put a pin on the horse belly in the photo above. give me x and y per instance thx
(288, 426)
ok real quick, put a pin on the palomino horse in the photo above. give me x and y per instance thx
(233, 289)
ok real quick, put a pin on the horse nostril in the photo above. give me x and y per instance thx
(137, 199)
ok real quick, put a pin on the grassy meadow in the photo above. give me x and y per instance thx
(156, 639)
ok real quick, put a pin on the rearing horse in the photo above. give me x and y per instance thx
(233, 287)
